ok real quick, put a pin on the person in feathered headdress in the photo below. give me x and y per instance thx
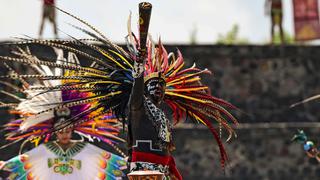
(44, 113)
(146, 77)
(160, 78)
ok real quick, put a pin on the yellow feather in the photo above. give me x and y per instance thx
(111, 58)
(187, 89)
(176, 70)
(124, 59)
(185, 81)
(186, 97)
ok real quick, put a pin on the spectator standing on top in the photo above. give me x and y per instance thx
(274, 9)
(48, 12)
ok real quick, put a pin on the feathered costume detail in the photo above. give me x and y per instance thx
(53, 92)
(308, 146)
(106, 82)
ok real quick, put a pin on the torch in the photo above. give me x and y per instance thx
(144, 20)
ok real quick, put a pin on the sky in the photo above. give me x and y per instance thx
(173, 20)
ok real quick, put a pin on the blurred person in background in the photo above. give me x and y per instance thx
(274, 9)
(48, 12)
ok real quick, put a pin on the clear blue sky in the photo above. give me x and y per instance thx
(174, 20)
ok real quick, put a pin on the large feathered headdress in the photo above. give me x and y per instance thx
(184, 93)
(108, 79)
(53, 103)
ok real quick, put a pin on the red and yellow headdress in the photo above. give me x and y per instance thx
(185, 93)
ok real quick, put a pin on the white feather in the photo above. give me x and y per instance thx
(40, 100)
(36, 119)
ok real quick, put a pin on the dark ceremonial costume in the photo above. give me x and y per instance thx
(150, 133)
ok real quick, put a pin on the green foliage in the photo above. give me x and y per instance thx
(232, 37)
(288, 38)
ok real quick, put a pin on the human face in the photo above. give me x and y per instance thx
(64, 136)
(155, 89)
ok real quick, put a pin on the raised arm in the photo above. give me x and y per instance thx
(136, 98)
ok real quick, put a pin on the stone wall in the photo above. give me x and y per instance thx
(257, 154)
(262, 81)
